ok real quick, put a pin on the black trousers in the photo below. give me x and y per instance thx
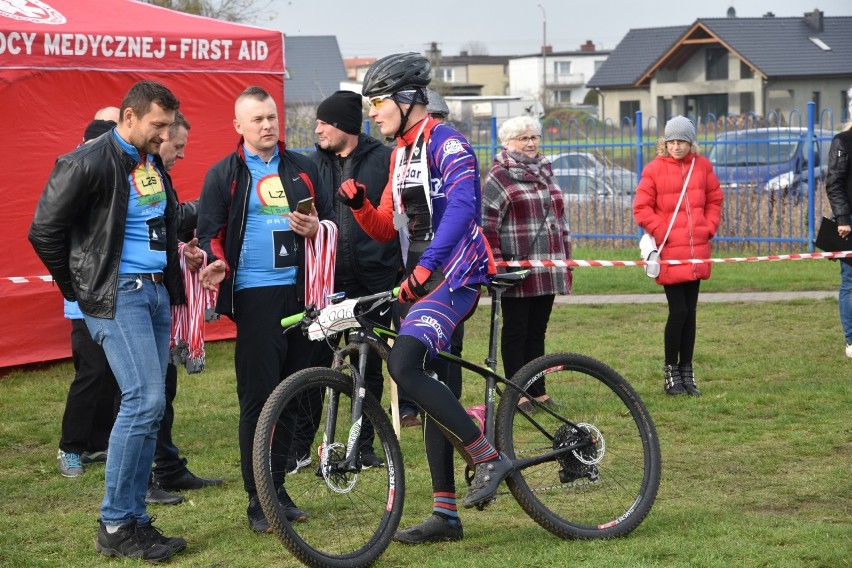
(522, 337)
(263, 357)
(680, 326)
(92, 401)
(168, 465)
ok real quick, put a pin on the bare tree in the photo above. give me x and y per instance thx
(475, 48)
(228, 10)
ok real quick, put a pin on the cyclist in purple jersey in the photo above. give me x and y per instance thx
(432, 203)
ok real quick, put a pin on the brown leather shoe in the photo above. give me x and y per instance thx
(409, 421)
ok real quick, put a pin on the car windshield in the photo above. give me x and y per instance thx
(744, 151)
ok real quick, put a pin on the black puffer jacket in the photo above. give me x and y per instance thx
(373, 264)
(79, 223)
(838, 184)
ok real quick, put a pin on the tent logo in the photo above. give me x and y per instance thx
(33, 11)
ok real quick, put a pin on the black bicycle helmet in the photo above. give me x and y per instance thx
(396, 72)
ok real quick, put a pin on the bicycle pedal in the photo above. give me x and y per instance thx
(485, 504)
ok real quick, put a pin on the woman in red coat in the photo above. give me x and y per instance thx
(695, 224)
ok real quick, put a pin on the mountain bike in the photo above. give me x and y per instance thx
(587, 465)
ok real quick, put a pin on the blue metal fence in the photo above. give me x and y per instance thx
(768, 209)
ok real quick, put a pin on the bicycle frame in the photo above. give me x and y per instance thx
(372, 335)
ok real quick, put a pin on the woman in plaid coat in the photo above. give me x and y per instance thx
(524, 218)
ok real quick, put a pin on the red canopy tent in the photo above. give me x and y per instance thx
(61, 61)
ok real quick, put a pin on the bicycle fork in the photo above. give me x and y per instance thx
(351, 462)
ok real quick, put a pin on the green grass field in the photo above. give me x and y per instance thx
(755, 472)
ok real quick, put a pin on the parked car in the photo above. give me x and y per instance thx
(621, 180)
(769, 161)
(581, 185)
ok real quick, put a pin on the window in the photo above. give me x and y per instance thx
(717, 64)
(702, 105)
(628, 109)
(561, 68)
(447, 74)
(815, 99)
(746, 72)
(562, 96)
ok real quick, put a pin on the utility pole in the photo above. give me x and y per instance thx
(543, 56)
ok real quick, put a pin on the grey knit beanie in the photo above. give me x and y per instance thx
(680, 128)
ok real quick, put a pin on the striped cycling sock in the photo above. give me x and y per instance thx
(445, 506)
(481, 450)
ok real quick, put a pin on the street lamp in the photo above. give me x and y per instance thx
(543, 55)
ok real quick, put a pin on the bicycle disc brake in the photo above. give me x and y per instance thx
(337, 478)
(582, 462)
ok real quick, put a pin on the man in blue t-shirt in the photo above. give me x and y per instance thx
(255, 242)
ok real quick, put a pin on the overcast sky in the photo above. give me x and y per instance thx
(506, 27)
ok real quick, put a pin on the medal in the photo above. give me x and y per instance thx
(400, 220)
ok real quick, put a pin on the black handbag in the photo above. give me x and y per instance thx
(829, 241)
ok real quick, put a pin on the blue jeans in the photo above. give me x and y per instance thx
(136, 343)
(845, 300)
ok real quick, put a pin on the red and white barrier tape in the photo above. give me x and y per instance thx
(583, 263)
(572, 263)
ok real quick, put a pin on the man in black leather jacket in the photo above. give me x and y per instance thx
(838, 187)
(106, 229)
(364, 266)
(255, 242)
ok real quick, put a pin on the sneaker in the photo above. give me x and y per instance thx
(256, 518)
(849, 349)
(156, 495)
(186, 481)
(409, 421)
(369, 459)
(69, 464)
(295, 465)
(434, 529)
(128, 542)
(291, 511)
(88, 458)
(151, 532)
(486, 479)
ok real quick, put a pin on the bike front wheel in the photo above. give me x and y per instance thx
(353, 511)
(594, 457)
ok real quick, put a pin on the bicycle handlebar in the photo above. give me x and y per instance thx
(310, 313)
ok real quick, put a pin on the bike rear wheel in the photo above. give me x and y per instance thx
(603, 487)
(352, 512)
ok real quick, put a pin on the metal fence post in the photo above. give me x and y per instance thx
(811, 184)
(494, 148)
(640, 157)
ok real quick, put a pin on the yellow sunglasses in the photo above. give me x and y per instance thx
(378, 101)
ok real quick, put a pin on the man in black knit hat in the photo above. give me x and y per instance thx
(347, 156)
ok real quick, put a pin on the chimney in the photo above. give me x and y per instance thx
(814, 20)
(548, 49)
(463, 53)
(588, 46)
